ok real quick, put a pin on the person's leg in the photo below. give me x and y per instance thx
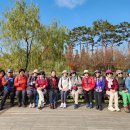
(111, 94)
(90, 98)
(65, 97)
(100, 100)
(12, 96)
(19, 96)
(73, 94)
(76, 97)
(6, 93)
(41, 98)
(24, 97)
(30, 96)
(116, 101)
(34, 98)
(51, 98)
(54, 98)
(125, 101)
(96, 99)
(124, 97)
(62, 96)
(86, 94)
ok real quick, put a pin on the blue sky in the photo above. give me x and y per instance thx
(73, 13)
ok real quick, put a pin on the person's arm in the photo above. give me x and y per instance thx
(115, 85)
(79, 83)
(60, 84)
(127, 84)
(46, 83)
(16, 82)
(70, 84)
(92, 85)
(29, 81)
(4, 81)
(103, 84)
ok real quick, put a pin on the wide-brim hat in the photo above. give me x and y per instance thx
(119, 71)
(97, 71)
(109, 71)
(86, 71)
(36, 71)
(72, 72)
(64, 71)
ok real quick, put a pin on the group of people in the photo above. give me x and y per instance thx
(37, 86)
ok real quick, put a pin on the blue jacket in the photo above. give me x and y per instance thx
(10, 83)
(99, 84)
(127, 83)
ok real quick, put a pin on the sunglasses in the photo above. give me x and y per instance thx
(120, 73)
(109, 73)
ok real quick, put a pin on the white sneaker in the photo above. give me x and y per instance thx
(117, 109)
(111, 109)
(62, 105)
(33, 105)
(30, 106)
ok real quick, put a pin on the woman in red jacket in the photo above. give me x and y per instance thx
(41, 86)
(88, 84)
(112, 91)
(20, 83)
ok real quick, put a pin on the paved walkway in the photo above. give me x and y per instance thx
(63, 119)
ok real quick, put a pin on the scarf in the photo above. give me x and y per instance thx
(110, 82)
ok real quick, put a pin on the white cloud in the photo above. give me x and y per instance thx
(69, 3)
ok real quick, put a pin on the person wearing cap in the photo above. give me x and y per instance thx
(76, 88)
(9, 90)
(88, 84)
(20, 84)
(41, 86)
(53, 89)
(98, 89)
(31, 89)
(127, 84)
(64, 87)
(123, 91)
(112, 91)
